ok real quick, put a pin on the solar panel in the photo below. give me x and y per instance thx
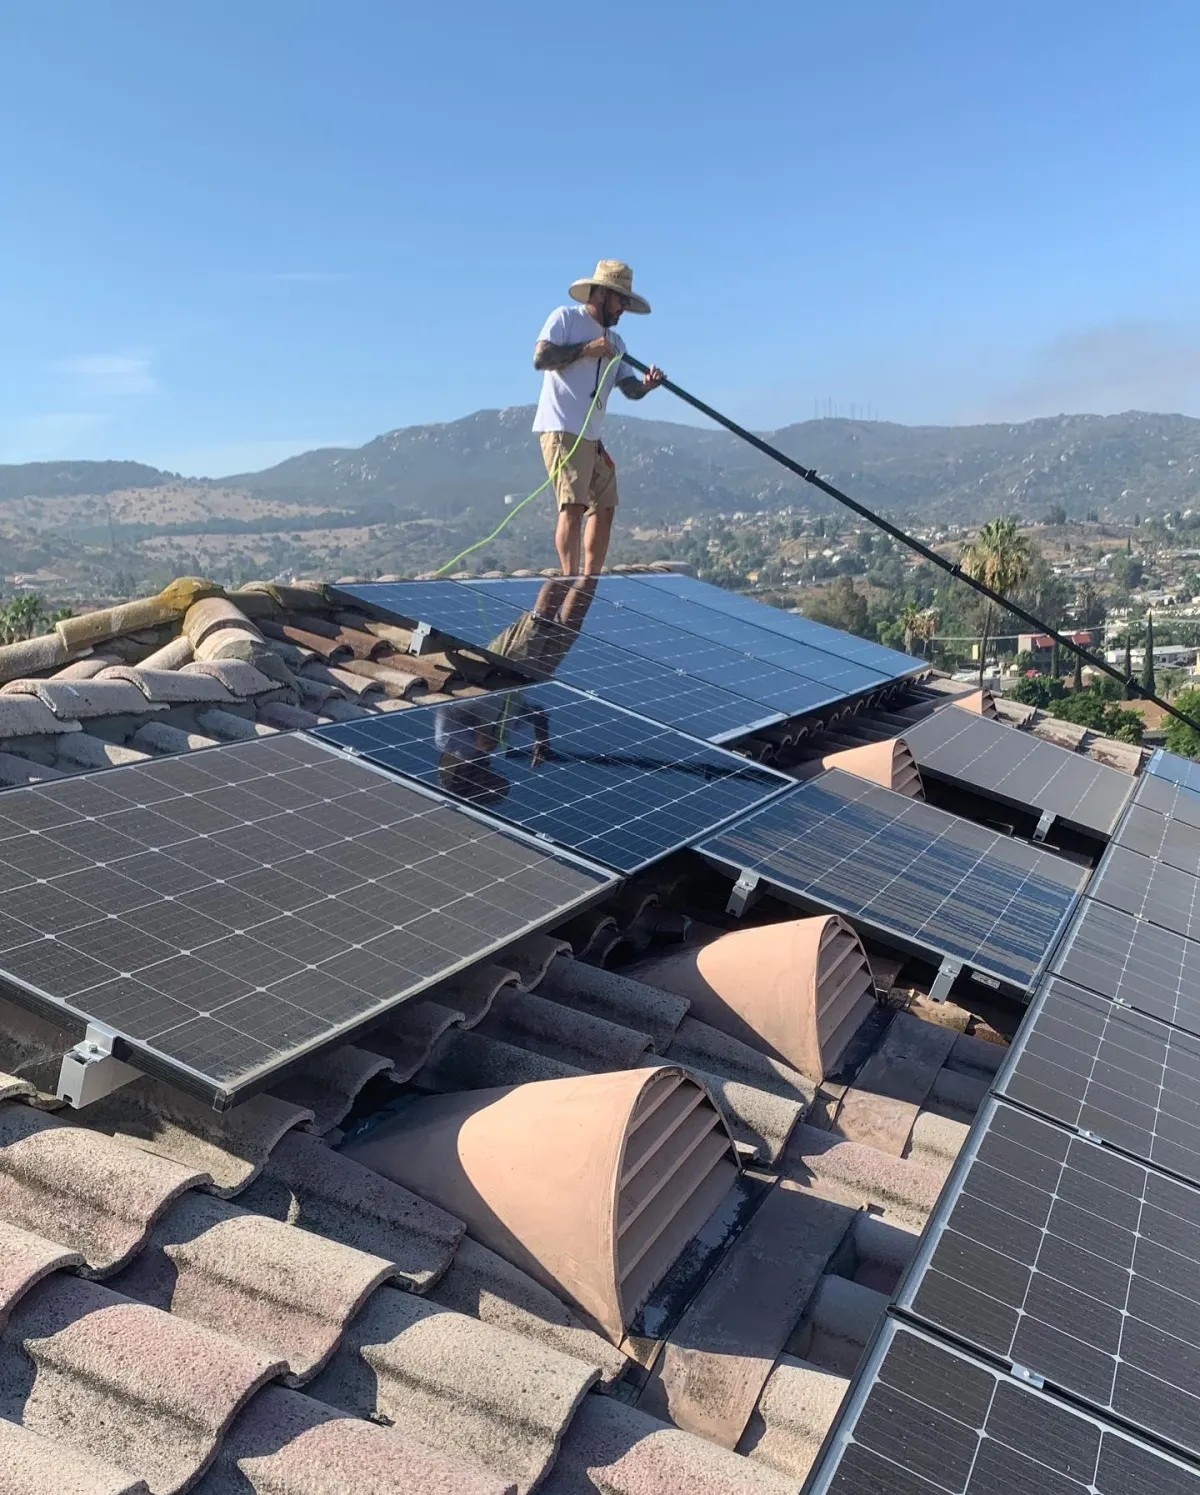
(1178, 770)
(888, 662)
(1153, 835)
(926, 1419)
(807, 659)
(1019, 769)
(1073, 1262)
(1137, 964)
(231, 911)
(570, 769)
(541, 648)
(1172, 800)
(1127, 1078)
(773, 687)
(908, 871)
(1148, 890)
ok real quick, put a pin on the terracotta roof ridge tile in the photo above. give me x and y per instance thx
(290, 1444)
(532, 956)
(123, 1382)
(87, 1191)
(330, 1085)
(566, 1033)
(171, 687)
(287, 1293)
(229, 1148)
(308, 1185)
(23, 714)
(457, 1384)
(79, 700)
(33, 1464)
(411, 1033)
(239, 677)
(31, 656)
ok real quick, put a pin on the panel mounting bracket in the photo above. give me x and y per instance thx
(419, 641)
(744, 896)
(1030, 1377)
(1043, 826)
(90, 1072)
(948, 973)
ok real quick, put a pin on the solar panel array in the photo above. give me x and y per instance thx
(228, 912)
(687, 657)
(1019, 769)
(908, 872)
(1083, 1266)
(1175, 769)
(929, 1419)
(568, 768)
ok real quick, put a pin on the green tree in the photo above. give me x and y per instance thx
(841, 606)
(1001, 558)
(1055, 514)
(1148, 666)
(1181, 738)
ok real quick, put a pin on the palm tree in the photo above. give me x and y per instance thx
(925, 627)
(1000, 557)
(909, 621)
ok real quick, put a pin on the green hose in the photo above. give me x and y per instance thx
(508, 518)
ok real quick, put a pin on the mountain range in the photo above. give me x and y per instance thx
(669, 471)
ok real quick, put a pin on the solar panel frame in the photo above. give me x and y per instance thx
(1161, 839)
(488, 623)
(1175, 801)
(1074, 1263)
(615, 813)
(1149, 890)
(771, 685)
(1128, 1079)
(836, 837)
(1134, 963)
(890, 662)
(429, 888)
(1018, 769)
(923, 1417)
(1178, 770)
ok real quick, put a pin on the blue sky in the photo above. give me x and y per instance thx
(239, 229)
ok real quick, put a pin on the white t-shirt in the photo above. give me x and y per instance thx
(567, 393)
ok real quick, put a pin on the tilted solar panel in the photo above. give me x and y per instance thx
(1178, 770)
(1150, 969)
(1120, 1075)
(1148, 890)
(792, 625)
(568, 768)
(546, 643)
(1175, 801)
(229, 912)
(927, 1419)
(1019, 769)
(1080, 1265)
(908, 871)
(1152, 835)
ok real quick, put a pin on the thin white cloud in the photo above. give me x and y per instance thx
(109, 374)
(1103, 371)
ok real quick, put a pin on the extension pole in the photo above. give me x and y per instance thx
(952, 568)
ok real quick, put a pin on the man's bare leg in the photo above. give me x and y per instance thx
(595, 544)
(567, 537)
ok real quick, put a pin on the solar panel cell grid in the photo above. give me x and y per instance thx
(221, 954)
(1178, 770)
(1081, 1265)
(903, 867)
(1175, 801)
(1148, 890)
(935, 1420)
(614, 787)
(1152, 970)
(1152, 835)
(1128, 1078)
(1019, 769)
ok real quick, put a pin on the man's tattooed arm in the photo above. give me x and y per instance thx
(632, 387)
(557, 355)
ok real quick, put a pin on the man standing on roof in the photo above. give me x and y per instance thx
(575, 353)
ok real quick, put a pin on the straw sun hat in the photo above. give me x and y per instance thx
(613, 275)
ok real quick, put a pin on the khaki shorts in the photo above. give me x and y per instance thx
(588, 478)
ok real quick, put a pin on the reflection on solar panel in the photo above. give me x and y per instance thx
(1020, 769)
(541, 648)
(791, 625)
(1148, 890)
(566, 767)
(1178, 770)
(1075, 1262)
(929, 1419)
(1127, 1078)
(1149, 969)
(771, 686)
(907, 870)
(1154, 836)
(228, 912)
